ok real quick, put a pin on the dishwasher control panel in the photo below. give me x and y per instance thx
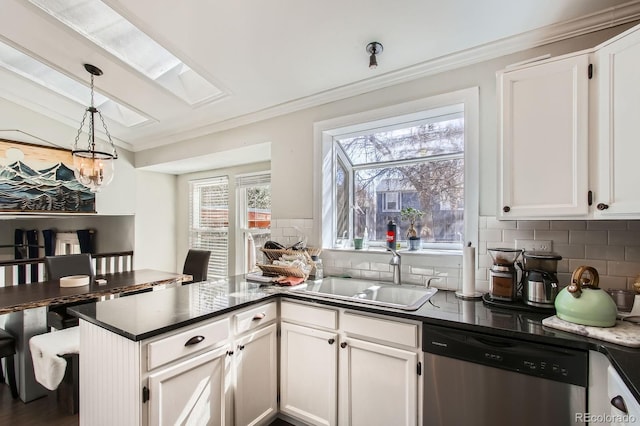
(541, 360)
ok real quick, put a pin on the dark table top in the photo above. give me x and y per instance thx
(149, 314)
(25, 296)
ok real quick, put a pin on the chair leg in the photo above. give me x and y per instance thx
(68, 392)
(11, 376)
(1, 373)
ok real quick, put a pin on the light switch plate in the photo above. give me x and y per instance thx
(534, 245)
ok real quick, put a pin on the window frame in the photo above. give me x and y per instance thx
(325, 151)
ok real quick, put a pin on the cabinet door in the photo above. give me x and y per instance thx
(256, 357)
(543, 116)
(625, 410)
(191, 392)
(309, 374)
(617, 70)
(378, 385)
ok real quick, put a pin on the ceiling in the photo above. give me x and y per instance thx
(266, 57)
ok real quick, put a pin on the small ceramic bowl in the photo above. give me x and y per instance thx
(623, 298)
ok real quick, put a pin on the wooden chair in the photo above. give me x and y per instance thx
(8, 350)
(196, 264)
(57, 267)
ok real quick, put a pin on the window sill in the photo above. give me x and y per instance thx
(402, 251)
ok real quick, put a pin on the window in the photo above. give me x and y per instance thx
(209, 221)
(254, 208)
(422, 154)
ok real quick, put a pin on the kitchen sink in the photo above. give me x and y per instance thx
(406, 297)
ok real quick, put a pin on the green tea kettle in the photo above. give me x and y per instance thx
(583, 302)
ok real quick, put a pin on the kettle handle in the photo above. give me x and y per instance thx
(575, 288)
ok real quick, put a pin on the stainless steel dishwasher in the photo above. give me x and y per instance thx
(479, 379)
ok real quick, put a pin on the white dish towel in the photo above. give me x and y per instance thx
(46, 349)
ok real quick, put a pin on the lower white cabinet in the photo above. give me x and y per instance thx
(378, 384)
(309, 374)
(191, 392)
(625, 410)
(346, 368)
(256, 385)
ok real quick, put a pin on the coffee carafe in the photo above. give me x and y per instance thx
(539, 279)
(503, 275)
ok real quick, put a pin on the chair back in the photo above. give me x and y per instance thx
(196, 264)
(69, 264)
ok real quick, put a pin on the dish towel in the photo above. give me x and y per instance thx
(46, 349)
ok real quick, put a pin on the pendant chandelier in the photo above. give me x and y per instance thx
(94, 162)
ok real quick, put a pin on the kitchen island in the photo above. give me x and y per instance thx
(132, 323)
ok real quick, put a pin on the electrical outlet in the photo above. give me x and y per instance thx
(534, 245)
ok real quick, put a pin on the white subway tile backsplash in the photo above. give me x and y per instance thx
(599, 265)
(573, 251)
(623, 269)
(627, 238)
(632, 254)
(612, 247)
(533, 224)
(607, 225)
(588, 237)
(511, 235)
(560, 225)
(560, 237)
(604, 252)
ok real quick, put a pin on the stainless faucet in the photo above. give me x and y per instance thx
(395, 263)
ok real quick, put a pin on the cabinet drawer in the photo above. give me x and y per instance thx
(186, 342)
(310, 315)
(376, 328)
(255, 317)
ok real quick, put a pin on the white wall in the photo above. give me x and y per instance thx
(155, 221)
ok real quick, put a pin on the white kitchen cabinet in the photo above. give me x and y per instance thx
(378, 384)
(350, 368)
(309, 373)
(617, 67)
(544, 123)
(256, 367)
(380, 371)
(625, 410)
(191, 392)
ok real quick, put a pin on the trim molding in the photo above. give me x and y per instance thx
(607, 18)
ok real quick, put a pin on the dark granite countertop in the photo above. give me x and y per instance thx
(149, 314)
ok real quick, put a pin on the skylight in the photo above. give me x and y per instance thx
(105, 27)
(31, 69)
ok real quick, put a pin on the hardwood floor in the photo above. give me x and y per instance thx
(45, 411)
(39, 412)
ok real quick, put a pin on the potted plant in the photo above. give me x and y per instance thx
(411, 215)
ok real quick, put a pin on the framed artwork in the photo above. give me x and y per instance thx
(40, 179)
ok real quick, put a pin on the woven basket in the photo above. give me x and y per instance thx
(275, 254)
(275, 270)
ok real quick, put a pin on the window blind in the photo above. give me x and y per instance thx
(209, 221)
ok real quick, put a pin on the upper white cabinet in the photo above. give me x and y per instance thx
(544, 119)
(567, 142)
(617, 148)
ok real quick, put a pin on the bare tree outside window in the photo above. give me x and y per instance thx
(420, 166)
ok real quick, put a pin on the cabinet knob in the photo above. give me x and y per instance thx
(240, 347)
(194, 340)
(331, 341)
(602, 206)
(229, 353)
(506, 209)
(343, 345)
(618, 402)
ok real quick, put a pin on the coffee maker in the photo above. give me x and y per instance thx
(539, 279)
(503, 275)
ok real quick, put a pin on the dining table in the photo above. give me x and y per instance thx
(25, 308)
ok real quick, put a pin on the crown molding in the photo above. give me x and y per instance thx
(607, 18)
